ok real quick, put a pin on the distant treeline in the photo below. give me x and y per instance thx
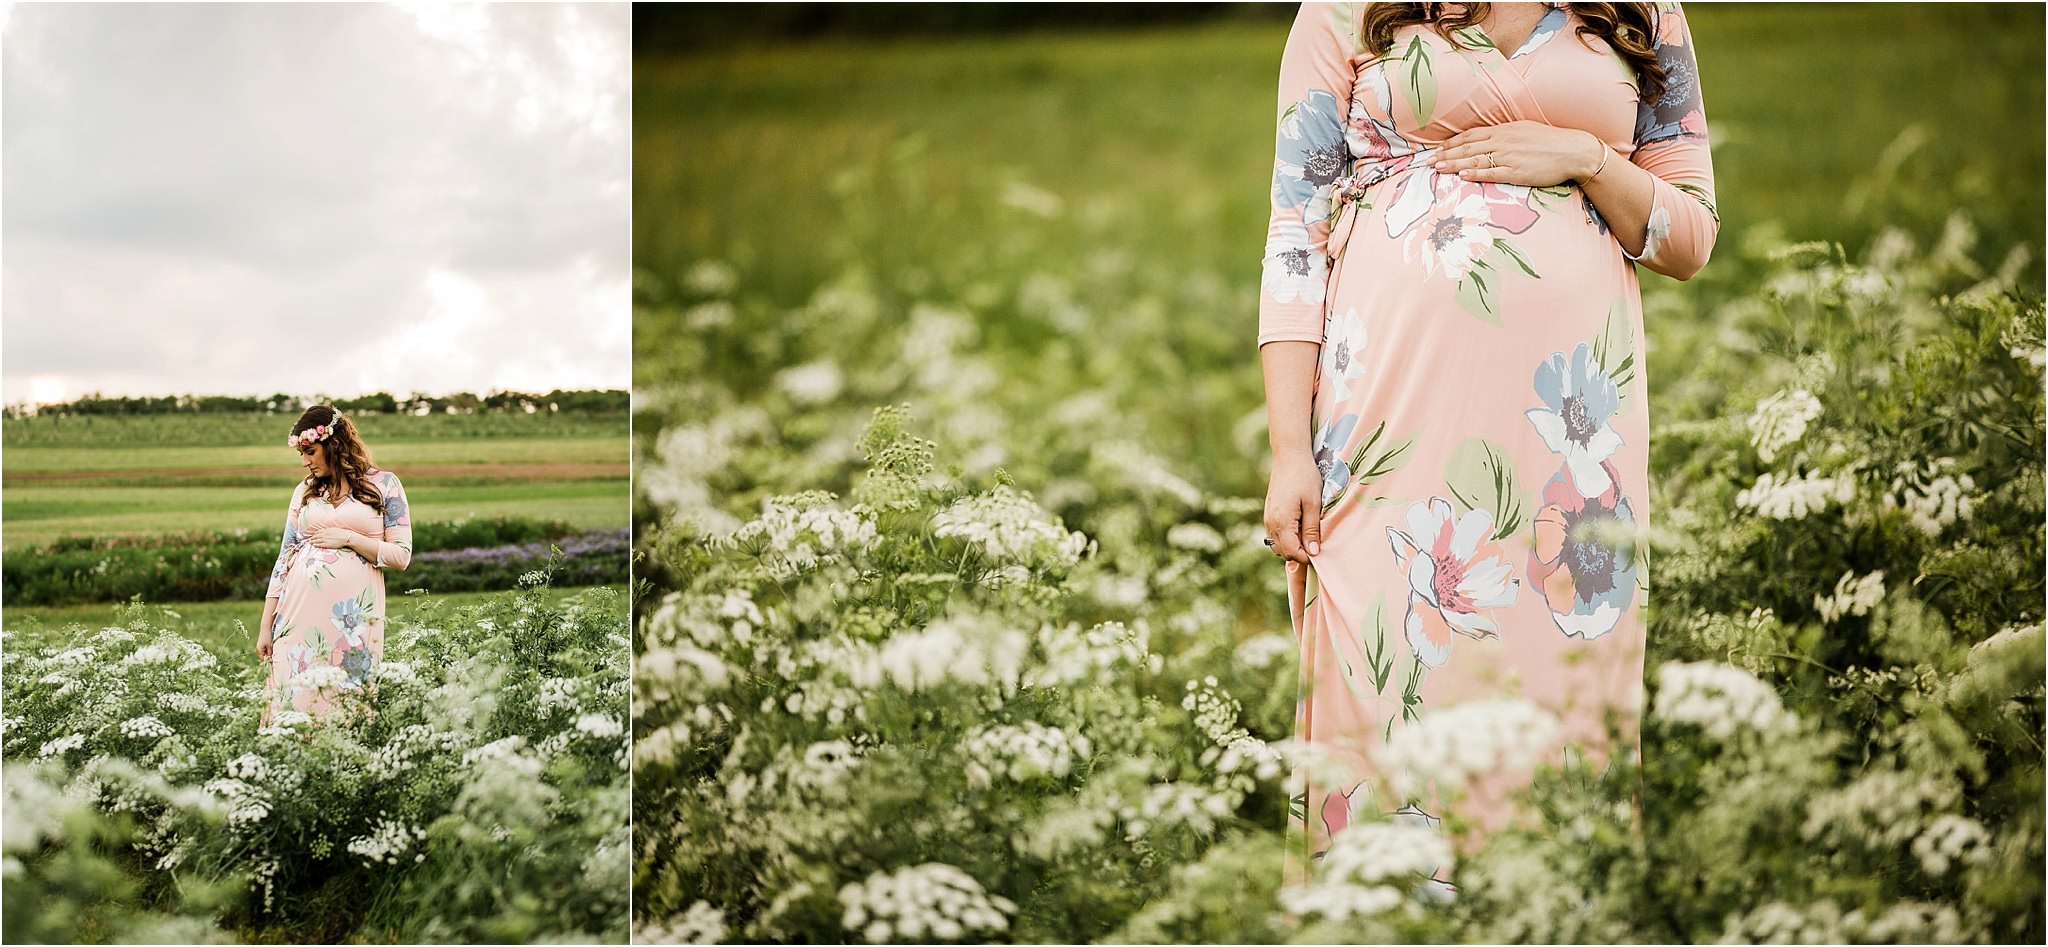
(669, 28)
(588, 401)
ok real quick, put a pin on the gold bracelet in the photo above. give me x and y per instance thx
(1604, 152)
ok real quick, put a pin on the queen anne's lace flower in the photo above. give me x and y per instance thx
(932, 901)
(1780, 420)
(1787, 497)
(1370, 868)
(1720, 699)
(1009, 527)
(1451, 746)
(1852, 596)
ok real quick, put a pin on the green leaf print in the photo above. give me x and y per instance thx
(1614, 349)
(1505, 252)
(1372, 635)
(1481, 476)
(1421, 80)
(1385, 461)
(1411, 692)
(1476, 293)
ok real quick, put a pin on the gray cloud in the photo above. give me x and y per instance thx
(248, 198)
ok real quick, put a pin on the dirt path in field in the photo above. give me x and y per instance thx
(414, 474)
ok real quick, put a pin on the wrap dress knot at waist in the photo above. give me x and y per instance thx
(1350, 189)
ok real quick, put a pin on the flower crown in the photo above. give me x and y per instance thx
(309, 435)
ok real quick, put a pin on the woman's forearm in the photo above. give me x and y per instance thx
(1623, 193)
(1290, 381)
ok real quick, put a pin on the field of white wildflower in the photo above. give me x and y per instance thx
(482, 796)
(1002, 661)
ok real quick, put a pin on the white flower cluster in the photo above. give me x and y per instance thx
(61, 745)
(1933, 495)
(285, 722)
(1720, 699)
(1260, 651)
(812, 383)
(600, 726)
(389, 843)
(412, 742)
(1852, 596)
(1780, 421)
(247, 804)
(1951, 839)
(1787, 497)
(682, 674)
(1215, 711)
(1010, 527)
(146, 727)
(701, 924)
(249, 767)
(715, 622)
(321, 677)
(821, 774)
(932, 901)
(1450, 747)
(187, 655)
(970, 651)
(396, 673)
(1244, 753)
(1139, 469)
(799, 532)
(1196, 537)
(1880, 809)
(659, 747)
(1370, 868)
(495, 750)
(1824, 922)
(1073, 656)
(1022, 753)
(1193, 806)
(709, 277)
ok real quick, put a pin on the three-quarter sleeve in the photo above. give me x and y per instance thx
(394, 551)
(289, 543)
(1309, 155)
(1671, 143)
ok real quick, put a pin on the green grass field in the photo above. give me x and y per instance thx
(105, 477)
(1158, 144)
(213, 624)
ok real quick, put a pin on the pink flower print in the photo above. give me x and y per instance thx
(1508, 206)
(1694, 123)
(1337, 809)
(1455, 568)
(1450, 241)
(1586, 583)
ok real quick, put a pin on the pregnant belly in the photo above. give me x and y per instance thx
(1422, 239)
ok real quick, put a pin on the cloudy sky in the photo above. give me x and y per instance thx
(314, 198)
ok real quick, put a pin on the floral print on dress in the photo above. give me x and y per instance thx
(1456, 573)
(1586, 583)
(1579, 402)
(1343, 342)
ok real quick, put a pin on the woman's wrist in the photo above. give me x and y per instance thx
(1591, 167)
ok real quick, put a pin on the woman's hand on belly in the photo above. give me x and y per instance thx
(1524, 152)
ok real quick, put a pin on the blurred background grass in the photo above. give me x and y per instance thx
(769, 153)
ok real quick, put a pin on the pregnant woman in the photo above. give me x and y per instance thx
(323, 621)
(1451, 331)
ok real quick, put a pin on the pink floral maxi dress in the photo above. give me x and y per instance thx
(1479, 402)
(328, 636)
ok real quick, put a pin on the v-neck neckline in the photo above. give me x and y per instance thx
(1523, 46)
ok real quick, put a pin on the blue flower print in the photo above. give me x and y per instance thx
(1309, 151)
(1330, 444)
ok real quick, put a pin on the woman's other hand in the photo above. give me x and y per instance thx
(263, 643)
(1524, 152)
(1294, 509)
(332, 537)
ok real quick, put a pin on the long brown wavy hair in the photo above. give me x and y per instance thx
(1627, 27)
(346, 456)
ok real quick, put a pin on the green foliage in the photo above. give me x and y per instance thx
(480, 796)
(485, 553)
